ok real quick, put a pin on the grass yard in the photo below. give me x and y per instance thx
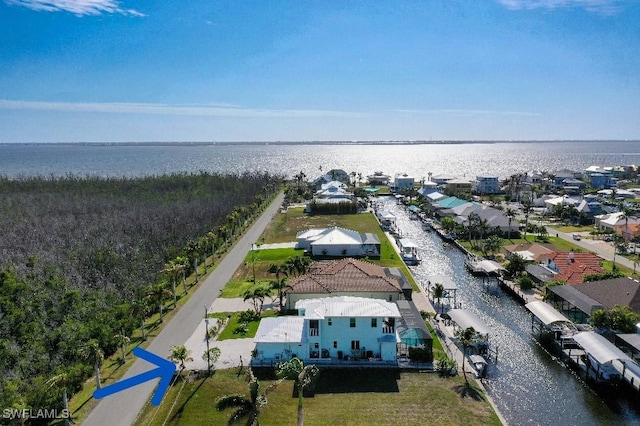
(285, 226)
(234, 322)
(342, 397)
(570, 229)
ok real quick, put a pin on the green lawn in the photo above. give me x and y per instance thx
(227, 332)
(342, 397)
(569, 229)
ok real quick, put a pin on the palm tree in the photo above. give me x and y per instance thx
(140, 309)
(510, 214)
(122, 340)
(279, 284)
(157, 294)
(295, 369)
(493, 244)
(64, 380)
(465, 337)
(437, 293)
(211, 356)
(256, 296)
(246, 407)
(483, 227)
(180, 354)
(174, 269)
(92, 352)
(526, 209)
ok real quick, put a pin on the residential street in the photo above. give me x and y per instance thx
(123, 408)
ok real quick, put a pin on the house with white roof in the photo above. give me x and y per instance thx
(337, 241)
(339, 328)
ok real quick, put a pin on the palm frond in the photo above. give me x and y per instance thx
(236, 400)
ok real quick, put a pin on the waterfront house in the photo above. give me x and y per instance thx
(378, 178)
(573, 303)
(571, 267)
(487, 185)
(495, 219)
(332, 175)
(403, 181)
(622, 291)
(342, 328)
(441, 180)
(459, 187)
(348, 277)
(337, 241)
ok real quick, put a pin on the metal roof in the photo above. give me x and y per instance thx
(466, 319)
(347, 306)
(599, 347)
(447, 283)
(407, 243)
(546, 313)
(577, 298)
(281, 329)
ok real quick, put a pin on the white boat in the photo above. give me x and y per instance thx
(479, 364)
(409, 251)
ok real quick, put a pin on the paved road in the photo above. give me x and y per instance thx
(599, 247)
(123, 408)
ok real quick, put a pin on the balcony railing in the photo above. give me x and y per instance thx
(314, 332)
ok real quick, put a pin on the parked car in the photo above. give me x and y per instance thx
(577, 237)
(608, 238)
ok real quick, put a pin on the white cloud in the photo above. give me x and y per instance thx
(467, 112)
(218, 110)
(603, 7)
(77, 7)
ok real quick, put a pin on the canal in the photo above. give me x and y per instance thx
(529, 385)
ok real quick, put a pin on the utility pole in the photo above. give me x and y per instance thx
(206, 324)
(253, 262)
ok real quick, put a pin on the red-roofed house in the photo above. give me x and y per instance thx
(345, 277)
(571, 267)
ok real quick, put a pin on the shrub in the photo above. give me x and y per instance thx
(420, 355)
(525, 282)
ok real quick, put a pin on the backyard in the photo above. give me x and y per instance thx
(342, 397)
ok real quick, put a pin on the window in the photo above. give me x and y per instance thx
(374, 322)
(314, 329)
(355, 344)
(352, 322)
(329, 321)
(335, 344)
(316, 345)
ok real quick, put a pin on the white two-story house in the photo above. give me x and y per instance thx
(331, 329)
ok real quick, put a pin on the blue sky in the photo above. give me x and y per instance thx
(132, 70)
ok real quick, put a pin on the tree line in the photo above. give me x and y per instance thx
(84, 260)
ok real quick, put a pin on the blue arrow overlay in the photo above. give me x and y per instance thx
(165, 371)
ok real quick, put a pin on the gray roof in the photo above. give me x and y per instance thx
(546, 313)
(632, 339)
(466, 319)
(411, 319)
(616, 291)
(576, 298)
(369, 238)
(599, 347)
(540, 273)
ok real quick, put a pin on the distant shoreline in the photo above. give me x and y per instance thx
(430, 142)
